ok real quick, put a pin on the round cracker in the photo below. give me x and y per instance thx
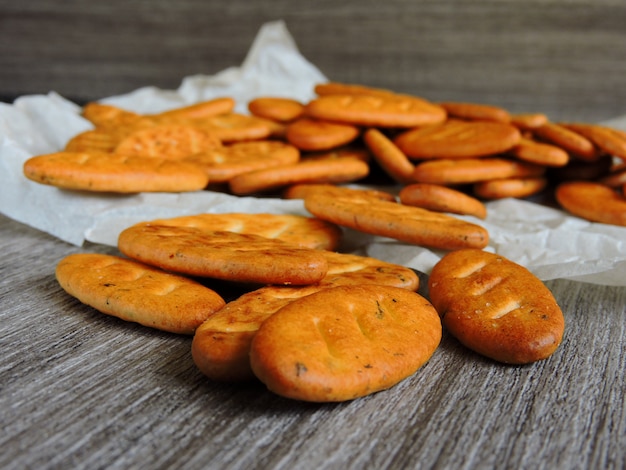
(375, 110)
(496, 307)
(390, 158)
(139, 293)
(108, 172)
(458, 139)
(313, 135)
(440, 198)
(276, 108)
(170, 141)
(398, 221)
(224, 163)
(592, 201)
(475, 111)
(472, 170)
(339, 170)
(510, 187)
(346, 342)
(223, 255)
(309, 232)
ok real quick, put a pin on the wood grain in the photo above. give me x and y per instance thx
(79, 389)
(564, 58)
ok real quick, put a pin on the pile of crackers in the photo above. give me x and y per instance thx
(308, 321)
(447, 157)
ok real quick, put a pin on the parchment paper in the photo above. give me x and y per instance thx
(551, 243)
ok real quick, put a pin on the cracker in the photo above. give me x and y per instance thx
(528, 121)
(608, 140)
(375, 110)
(349, 151)
(107, 115)
(496, 307)
(572, 142)
(472, 170)
(440, 198)
(137, 293)
(107, 172)
(592, 201)
(346, 342)
(405, 223)
(540, 153)
(338, 88)
(314, 135)
(510, 187)
(340, 170)
(170, 141)
(475, 111)
(390, 158)
(201, 110)
(227, 161)
(308, 232)
(458, 139)
(223, 255)
(94, 140)
(236, 127)
(276, 108)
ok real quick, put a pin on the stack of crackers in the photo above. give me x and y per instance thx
(447, 157)
(312, 323)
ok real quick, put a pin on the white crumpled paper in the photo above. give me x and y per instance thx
(548, 241)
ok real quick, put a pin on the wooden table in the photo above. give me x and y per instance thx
(83, 390)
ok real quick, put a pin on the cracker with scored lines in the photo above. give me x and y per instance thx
(229, 256)
(138, 293)
(345, 342)
(300, 230)
(496, 307)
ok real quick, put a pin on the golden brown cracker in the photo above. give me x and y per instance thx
(136, 292)
(227, 161)
(539, 153)
(608, 140)
(276, 108)
(375, 111)
(299, 230)
(572, 142)
(201, 110)
(170, 141)
(398, 221)
(346, 342)
(314, 135)
(440, 198)
(475, 111)
(496, 307)
(390, 158)
(222, 255)
(510, 187)
(528, 121)
(592, 201)
(340, 170)
(458, 139)
(108, 172)
(472, 170)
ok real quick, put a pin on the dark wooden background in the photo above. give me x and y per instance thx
(566, 58)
